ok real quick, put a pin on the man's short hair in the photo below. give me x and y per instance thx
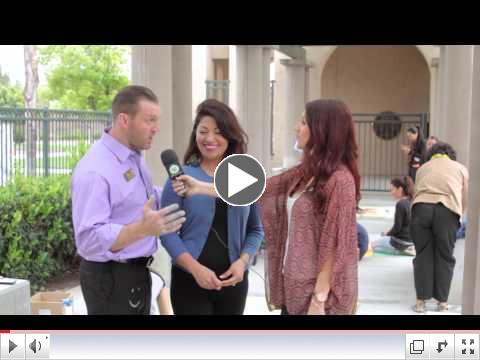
(126, 101)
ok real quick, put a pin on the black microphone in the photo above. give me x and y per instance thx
(171, 163)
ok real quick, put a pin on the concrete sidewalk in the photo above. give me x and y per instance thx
(385, 282)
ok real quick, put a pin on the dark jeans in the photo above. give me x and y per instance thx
(433, 228)
(190, 299)
(115, 288)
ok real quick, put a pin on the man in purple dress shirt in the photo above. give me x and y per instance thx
(115, 209)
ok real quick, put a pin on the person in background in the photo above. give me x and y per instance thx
(439, 201)
(363, 241)
(160, 270)
(416, 151)
(462, 232)
(397, 240)
(161, 304)
(432, 140)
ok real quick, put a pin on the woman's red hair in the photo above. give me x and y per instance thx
(331, 144)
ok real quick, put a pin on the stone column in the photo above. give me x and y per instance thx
(471, 274)
(199, 75)
(167, 70)
(295, 88)
(455, 98)
(182, 97)
(250, 97)
(438, 125)
(434, 77)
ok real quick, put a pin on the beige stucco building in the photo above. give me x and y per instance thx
(438, 83)
(370, 79)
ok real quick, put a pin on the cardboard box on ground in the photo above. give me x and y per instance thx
(52, 303)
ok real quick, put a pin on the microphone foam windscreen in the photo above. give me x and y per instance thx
(169, 157)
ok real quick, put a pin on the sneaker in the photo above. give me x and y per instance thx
(410, 251)
(442, 307)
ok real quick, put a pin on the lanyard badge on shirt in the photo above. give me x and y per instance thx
(129, 175)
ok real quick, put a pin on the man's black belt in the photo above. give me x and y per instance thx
(139, 262)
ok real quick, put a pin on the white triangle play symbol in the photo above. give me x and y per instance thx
(238, 180)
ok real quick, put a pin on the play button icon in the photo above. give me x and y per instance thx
(239, 179)
(11, 346)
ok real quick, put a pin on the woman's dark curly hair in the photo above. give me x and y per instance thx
(442, 148)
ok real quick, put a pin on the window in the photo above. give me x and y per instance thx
(387, 125)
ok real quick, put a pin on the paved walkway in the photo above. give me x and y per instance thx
(385, 282)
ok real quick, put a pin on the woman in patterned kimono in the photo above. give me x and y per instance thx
(309, 218)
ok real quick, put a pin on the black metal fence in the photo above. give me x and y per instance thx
(380, 138)
(40, 142)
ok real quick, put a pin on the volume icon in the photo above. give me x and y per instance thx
(35, 346)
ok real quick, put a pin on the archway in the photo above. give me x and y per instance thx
(372, 80)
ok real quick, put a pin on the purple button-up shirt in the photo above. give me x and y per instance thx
(110, 186)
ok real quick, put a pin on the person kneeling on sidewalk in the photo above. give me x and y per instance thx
(397, 240)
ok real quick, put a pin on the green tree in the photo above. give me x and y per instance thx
(83, 77)
(10, 95)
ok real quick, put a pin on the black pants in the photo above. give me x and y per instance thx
(433, 228)
(115, 288)
(190, 299)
